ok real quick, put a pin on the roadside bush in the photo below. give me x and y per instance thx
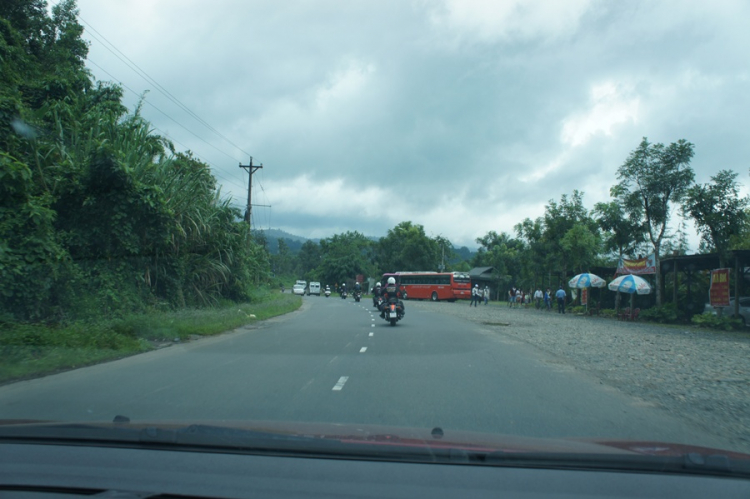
(666, 314)
(608, 312)
(578, 309)
(713, 321)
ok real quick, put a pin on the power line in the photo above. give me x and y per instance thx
(165, 114)
(138, 70)
(125, 59)
(176, 141)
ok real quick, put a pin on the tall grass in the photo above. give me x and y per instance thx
(31, 350)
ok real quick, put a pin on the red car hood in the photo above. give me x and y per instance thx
(357, 435)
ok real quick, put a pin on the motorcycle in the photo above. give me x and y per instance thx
(377, 302)
(393, 311)
(357, 296)
(343, 295)
(327, 293)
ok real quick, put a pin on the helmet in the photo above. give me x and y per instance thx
(377, 285)
(391, 280)
(476, 285)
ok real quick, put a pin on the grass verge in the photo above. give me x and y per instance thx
(32, 350)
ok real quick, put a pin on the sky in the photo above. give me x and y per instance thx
(464, 116)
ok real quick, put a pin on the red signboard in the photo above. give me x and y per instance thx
(719, 291)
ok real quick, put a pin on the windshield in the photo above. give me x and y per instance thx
(168, 189)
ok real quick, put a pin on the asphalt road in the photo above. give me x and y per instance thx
(336, 361)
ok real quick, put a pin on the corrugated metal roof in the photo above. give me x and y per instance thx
(478, 271)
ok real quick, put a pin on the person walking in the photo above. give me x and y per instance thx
(560, 295)
(486, 294)
(474, 295)
(538, 295)
(548, 300)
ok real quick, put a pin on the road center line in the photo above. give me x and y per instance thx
(372, 334)
(340, 384)
(363, 350)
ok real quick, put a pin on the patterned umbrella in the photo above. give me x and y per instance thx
(630, 284)
(587, 281)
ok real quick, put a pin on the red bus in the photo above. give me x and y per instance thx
(433, 286)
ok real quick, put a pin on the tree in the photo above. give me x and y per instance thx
(446, 251)
(309, 258)
(502, 253)
(99, 215)
(343, 256)
(283, 260)
(652, 177)
(622, 233)
(718, 211)
(557, 241)
(534, 258)
(581, 246)
(407, 247)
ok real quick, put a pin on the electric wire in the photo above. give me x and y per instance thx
(234, 182)
(165, 114)
(137, 69)
(159, 88)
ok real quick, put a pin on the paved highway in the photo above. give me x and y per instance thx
(336, 361)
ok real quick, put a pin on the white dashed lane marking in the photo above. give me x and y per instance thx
(363, 350)
(372, 334)
(340, 384)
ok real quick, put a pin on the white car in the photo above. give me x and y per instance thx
(298, 289)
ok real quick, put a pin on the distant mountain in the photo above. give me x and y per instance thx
(294, 243)
(278, 233)
(463, 253)
(272, 236)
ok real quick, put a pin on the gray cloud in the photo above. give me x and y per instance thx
(472, 116)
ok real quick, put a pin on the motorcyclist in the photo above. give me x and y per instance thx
(376, 292)
(342, 289)
(391, 291)
(357, 287)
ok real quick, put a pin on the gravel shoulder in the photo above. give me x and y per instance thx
(699, 375)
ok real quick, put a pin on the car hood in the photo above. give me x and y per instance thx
(349, 439)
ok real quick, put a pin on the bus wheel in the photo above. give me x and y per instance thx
(434, 296)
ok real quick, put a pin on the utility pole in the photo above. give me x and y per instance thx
(250, 170)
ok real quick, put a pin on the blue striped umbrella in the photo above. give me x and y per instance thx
(587, 281)
(630, 284)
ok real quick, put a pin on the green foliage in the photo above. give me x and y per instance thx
(35, 349)
(610, 313)
(653, 176)
(718, 210)
(622, 231)
(406, 247)
(309, 258)
(581, 246)
(665, 314)
(343, 256)
(713, 321)
(99, 216)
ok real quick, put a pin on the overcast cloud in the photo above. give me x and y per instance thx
(468, 115)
